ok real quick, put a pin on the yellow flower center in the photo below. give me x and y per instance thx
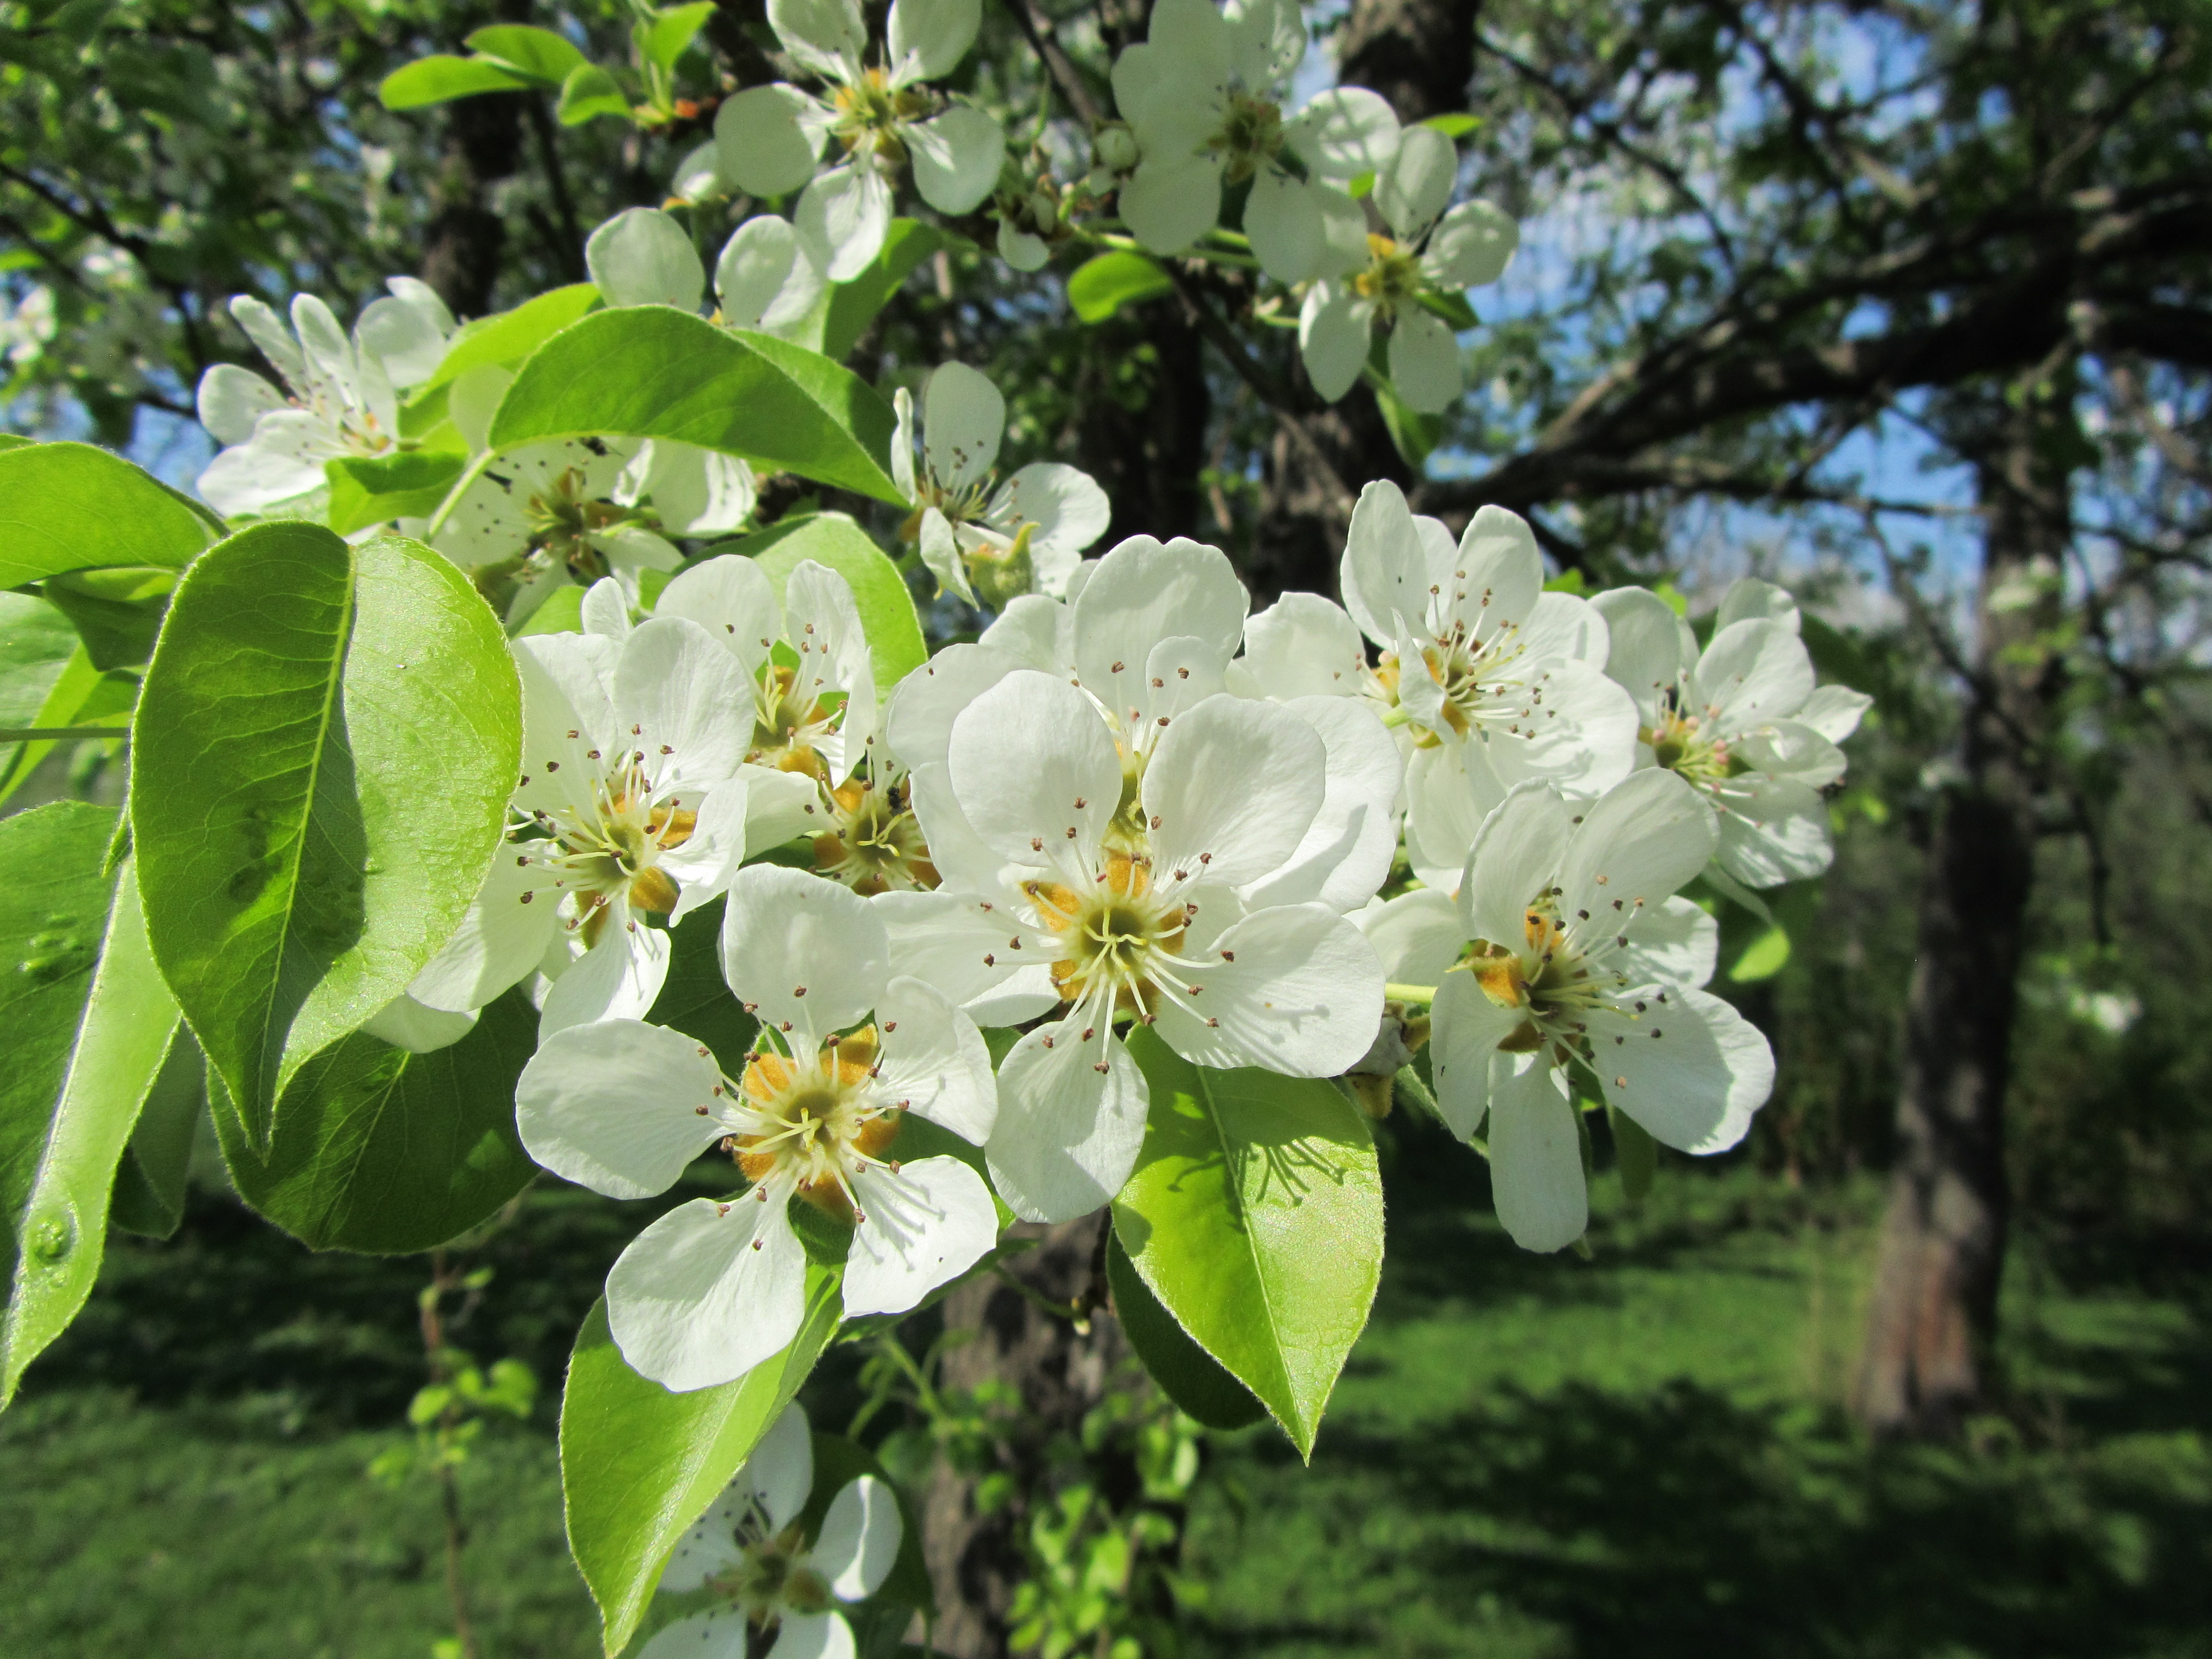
(1117, 940)
(817, 1121)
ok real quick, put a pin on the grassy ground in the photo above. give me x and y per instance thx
(1639, 1454)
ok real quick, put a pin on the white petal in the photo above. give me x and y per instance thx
(955, 157)
(1068, 1132)
(1170, 201)
(1467, 1029)
(698, 176)
(1535, 1155)
(642, 257)
(1413, 188)
(915, 1230)
(697, 492)
(1303, 646)
(826, 36)
(1347, 851)
(566, 688)
(330, 355)
(813, 1636)
(1424, 365)
(824, 622)
(731, 598)
(764, 279)
(1689, 1069)
(1752, 672)
(231, 399)
(704, 863)
(767, 147)
(1230, 790)
(942, 558)
(1193, 37)
(859, 1539)
(1417, 936)
(248, 478)
(604, 611)
(928, 38)
(1385, 572)
(810, 954)
(1498, 558)
(1268, 40)
(693, 1303)
(271, 337)
(1285, 225)
(1335, 325)
(963, 418)
(1345, 252)
(1749, 598)
(1302, 996)
(1142, 592)
(1577, 731)
(1034, 768)
(919, 720)
(1675, 943)
(903, 444)
(779, 1474)
(618, 978)
(1640, 842)
(1450, 790)
(1514, 861)
(1566, 625)
(842, 219)
(675, 689)
(501, 938)
(1650, 649)
(1790, 749)
(611, 1106)
(1772, 831)
(1172, 103)
(416, 1027)
(943, 938)
(778, 806)
(1065, 503)
(1037, 628)
(1834, 711)
(718, 1633)
(405, 336)
(629, 551)
(934, 1060)
(1021, 250)
(1471, 246)
(1344, 132)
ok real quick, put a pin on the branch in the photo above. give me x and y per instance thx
(1061, 67)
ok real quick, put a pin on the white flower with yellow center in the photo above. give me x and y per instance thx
(1740, 721)
(339, 396)
(1118, 892)
(1203, 95)
(1422, 266)
(632, 805)
(751, 1551)
(1495, 680)
(988, 545)
(715, 1287)
(1571, 948)
(875, 120)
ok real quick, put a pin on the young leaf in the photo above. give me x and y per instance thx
(1192, 1377)
(672, 30)
(36, 643)
(640, 1464)
(117, 612)
(506, 338)
(539, 53)
(1101, 286)
(85, 1044)
(1255, 1217)
(436, 79)
(149, 1182)
(1416, 435)
(410, 484)
(880, 593)
(590, 91)
(80, 696)
(71, 506)
(1763, 958)
(655, 371)
(319, 772)
(847, 308)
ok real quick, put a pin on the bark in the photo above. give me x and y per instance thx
(1925, 1363)
(1147, 451)
(464, 241)
(1062, 1370)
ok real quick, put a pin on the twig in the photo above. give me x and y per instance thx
(1056, 62)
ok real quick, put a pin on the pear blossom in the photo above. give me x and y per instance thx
(339, 396)
(1424, 261)
(1111, 881)
(772, 139)
(764, 279)
(1491, 680)
(633, 804)
(715, 1287)
(1203, 95)
(750, 1550)
(988, 545)
(1575, 950)
(1741, 721)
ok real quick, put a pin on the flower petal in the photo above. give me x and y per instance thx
(1498, 561)
(718, 1633)
(1514, 861)
(919, 720)
(251, 479)
(1170, 201)
(1772, 831)
(956, 158)
(1413, 188)
(1636, 846)
(1344, 132)
(1299, 991)
(675, 687)
(1577, 731)
(731, 598)
(708, 1292)
(913, 1230)
(842, 218)
(266, 329)
(1231, 789)
(1335, 325)
(1566, 625)
(618, 978)
(826, 36)
(1450, 790)
(763, 278)
(928, 38)
(1425, 363)
(943, 938)
(1303, 646)
(1267, 40)
(695, 492)
(1689, 1069)
(501, 938)
(1384, 574)
(859, 1537)
(1834, 711)
(1535, 1154)
(642, 257)
(934, 1059)
(1284, 224)
(416, 1027)
(1471, 247)
(963, 418)
(704, 863)
(231, 399)
(605, 611)
(1675, 943)
(1748, 599)
(1347, 851)
(1142, 592)
(1071, 1120)
(810, 957)
(1790, 749)
(612, 1106)
(1466, 1028)
(767, 145)
(779, 1476)
(1648, 649)
(1021, 250)
(1065, 503)
(813, 1636)
(1753, 672)
(1417, 936)
(1034, 769)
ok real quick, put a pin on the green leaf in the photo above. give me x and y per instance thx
(411, 484)
(149, 1184)
(1763, 958)
(1416, 435)
(695, 999)
(1635, 1151)
(435, 80)
(36, 644)
(1361, 184)
(673, 30)
(880, 593)
(655, 371)
(1101, 286)
(84, 1045)
(1457, 125)
(117, 612)
(1192, 1377)
(590, 91)
(71, 506)
(1453, 307)
(320, 767)
(82, 695)
(847, 308)
(1256, 1216)
(640, 1464)
(563, 612)
(387, 1152)
(511, 336)
(539, 53)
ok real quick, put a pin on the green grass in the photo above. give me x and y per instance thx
(1642, 1454)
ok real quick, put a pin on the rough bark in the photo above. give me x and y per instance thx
(1062, 1370)
(464, 241)
(1147, 454)
(1925, 1363)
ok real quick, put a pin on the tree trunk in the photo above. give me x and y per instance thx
(464, 239)
(1926, 1359)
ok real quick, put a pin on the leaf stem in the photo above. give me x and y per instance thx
(1395, 993)
(62, 734)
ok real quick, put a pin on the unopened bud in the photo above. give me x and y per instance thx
(1114, 148)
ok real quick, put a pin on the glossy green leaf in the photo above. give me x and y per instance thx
(117, 612)
(387, 1152)
(1192, 1377)
(411, 484)
(511, 336)
(561, 612)
(847, 308)
(1101, 286)
(1457, 125)
(36, 644)
(1455, 308)
(80, 696)
(89, 1021)
(1256, 1216)
(539, 53)
(656, 372)
(696, 999)
(670, 33)
(71, 506)
(880, 593)
(588, 92)
(436, 79)
(321, 767)
(640, 1464)
(1634, 1151)
(1763, 958)
(149, 1182)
